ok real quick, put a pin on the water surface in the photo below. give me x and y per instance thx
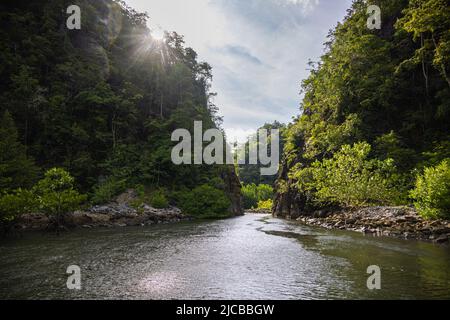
(249, 257)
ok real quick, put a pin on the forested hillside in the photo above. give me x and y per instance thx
(375, 113)
(100, 102)
(251, 173)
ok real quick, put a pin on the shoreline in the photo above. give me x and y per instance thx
(105, 216)
(396, 222)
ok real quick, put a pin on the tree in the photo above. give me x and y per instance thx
(56, 195)
(429, 21)
(16, 169)
(102, 103)
(388, 87)
(251, 173)
(253, 194)
(349, 178)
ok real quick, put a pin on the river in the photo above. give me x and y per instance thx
(248, 257)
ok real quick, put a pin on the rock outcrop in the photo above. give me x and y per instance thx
(233, 190)
(288, 203)
(119, 213)
(400, 222)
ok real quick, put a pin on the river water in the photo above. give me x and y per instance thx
(249, 257)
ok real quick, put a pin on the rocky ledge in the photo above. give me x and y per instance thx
(118, 213)
(400, 222)
(111, 215)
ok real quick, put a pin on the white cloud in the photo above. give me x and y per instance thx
(307, 5)
(259, 49)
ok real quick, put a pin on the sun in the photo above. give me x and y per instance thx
(157, 34)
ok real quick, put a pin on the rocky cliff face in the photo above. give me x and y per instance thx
(288, 203)
(233, 190)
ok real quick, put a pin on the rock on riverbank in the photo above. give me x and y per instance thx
(119, 213)
(400, 222)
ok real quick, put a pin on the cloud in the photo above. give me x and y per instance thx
(308, 5)
(259, 49)
(240, 52)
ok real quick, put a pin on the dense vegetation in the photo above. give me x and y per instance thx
(100, 102)
(257, 189)
(257, 196)
(251, 173)
(205, 202)
(375, 113)
(432, 191)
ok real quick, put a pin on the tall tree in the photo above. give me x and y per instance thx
(16, 169)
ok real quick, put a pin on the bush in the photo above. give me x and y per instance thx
(205, 202)
(158, 200)
(265, 204)
(252, 194)
(349, 178)
(55, 194)
(432, 192)
(14, 204)
(107, 190)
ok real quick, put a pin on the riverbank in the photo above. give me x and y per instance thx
(107, 216)
(121, 212)
(398, 222)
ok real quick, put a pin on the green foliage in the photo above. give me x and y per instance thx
(14, 204)
(16, 169)
(108, 189)
(350, 178)
(56, 195)
(432, 192)
(438, 152)
(158, 200)
(265, 204)
(389, 87)
(429, 21)
(253, 193)
(205, 202)
(250, 196)
(389, 146)
(251, 173)
(100, 103)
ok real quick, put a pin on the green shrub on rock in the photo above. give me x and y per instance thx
(432, 192)
(108, 189)
(158, 200)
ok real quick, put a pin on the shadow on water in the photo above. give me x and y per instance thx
(249, 257)
(410, 268)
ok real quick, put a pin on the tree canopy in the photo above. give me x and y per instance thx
(386, 88)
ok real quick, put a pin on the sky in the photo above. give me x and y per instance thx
(259, 50)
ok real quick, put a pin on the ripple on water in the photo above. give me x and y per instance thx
(250, 257)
